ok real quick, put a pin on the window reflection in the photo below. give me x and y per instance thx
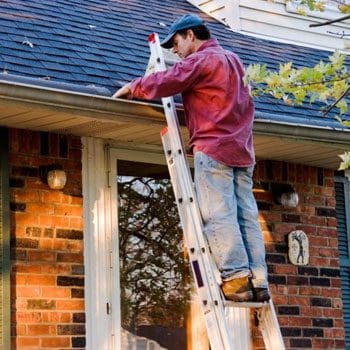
(154, 272)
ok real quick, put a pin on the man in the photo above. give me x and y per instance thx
(219, 114)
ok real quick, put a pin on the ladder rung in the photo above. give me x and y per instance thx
(251, 305)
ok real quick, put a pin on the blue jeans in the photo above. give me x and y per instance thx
(230, 217)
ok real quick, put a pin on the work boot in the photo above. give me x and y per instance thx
(261, 294)
(238, 289)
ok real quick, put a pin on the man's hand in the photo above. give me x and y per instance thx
(124, 91)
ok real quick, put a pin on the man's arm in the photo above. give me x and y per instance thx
(162, 84)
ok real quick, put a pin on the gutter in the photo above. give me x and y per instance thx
(80, 104)
(104, 108)
(302, 132)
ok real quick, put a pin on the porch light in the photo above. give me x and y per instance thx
(56, 179)
(285, 195)
(54, 176)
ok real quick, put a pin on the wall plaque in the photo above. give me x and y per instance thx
(298, 244)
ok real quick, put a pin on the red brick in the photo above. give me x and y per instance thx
(318, 343)
(340, 344)
(327, 232)
(316, 261)
(41, 256)
(280, 299)
(331, 292)
(55, 292)
(335, 313)
(41, 329)
(46, 243)
(25, 195)
(53, 197)
(285, 269)
(308, 229)
(31, 292)
(22, 218)
(74, 305)
(21, 329)
(56, 342)
(41, 280)
(334, 333)
(28, 268)
(76, 223)
(300, 321)
(331, 222)
(315, 220)
(296, 300)
(26, 317)
(42, 208)
(57, 317)
(315, 200)
(308, 290)
(71, 210)
(318, 241)
(27, 343)
(53, 221)
(70, 258)
(56, 269)
(33, 183)
(328, 252)
(336, 283)
(311, 312)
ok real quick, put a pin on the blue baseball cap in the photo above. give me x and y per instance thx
(184, 22)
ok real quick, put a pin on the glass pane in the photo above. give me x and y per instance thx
(155, 278)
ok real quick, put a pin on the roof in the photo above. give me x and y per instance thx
(99, 45)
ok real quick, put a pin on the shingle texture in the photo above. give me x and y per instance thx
(103, 44)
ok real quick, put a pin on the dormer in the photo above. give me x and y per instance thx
(282, 20)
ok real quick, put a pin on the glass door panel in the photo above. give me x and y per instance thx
(154, 272)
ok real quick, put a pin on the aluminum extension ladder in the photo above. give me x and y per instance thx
(227, 323)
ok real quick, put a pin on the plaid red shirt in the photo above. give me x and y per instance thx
(219, 110)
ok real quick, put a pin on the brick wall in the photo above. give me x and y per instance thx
(47, 249)
(46, 243)
(307, 298)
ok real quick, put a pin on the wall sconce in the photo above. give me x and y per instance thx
(285, 195)
(54, 176)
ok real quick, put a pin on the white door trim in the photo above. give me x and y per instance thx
(101, 271)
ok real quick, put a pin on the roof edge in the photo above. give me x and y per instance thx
(337, 137)
(81, 104)
(106, 108)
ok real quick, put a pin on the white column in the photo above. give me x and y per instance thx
(101, 280)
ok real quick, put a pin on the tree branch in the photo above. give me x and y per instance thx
(345, 93)
(340, 19)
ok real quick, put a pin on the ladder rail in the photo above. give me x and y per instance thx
(199, 256)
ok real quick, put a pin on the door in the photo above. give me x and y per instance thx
(158, 309)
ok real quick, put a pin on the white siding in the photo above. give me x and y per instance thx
(276, 20)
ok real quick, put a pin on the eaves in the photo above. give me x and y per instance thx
(135, 122)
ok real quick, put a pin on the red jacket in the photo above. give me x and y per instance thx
(219, 110)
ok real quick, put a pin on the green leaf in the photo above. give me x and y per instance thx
(344, 8)
(345, 164)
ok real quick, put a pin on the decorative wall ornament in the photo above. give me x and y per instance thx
(298, 244)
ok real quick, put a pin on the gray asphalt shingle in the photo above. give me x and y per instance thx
(104, 43)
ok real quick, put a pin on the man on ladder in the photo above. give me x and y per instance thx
(219, 115)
